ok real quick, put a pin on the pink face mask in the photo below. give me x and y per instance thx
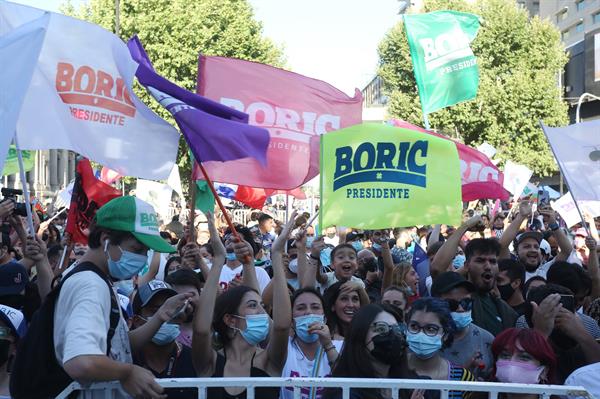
(518, 372)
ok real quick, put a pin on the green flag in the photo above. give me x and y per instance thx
(11, 165)
(205, 201)
(377, 176)
(445, 68)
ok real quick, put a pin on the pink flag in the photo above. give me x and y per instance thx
(481, 179)
(292, 107)
(109, 176)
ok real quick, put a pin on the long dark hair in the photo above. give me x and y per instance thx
(355, 361)
(228, 303)
(331, 295)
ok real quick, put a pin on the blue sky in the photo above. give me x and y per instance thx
(332, 40)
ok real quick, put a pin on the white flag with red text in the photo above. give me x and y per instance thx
(80, 98)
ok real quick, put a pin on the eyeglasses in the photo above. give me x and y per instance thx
(465, 303)
(381, 328)
(429, 329)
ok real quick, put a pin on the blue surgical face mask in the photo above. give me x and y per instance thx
(376, 247)
(423, 346)
(302, 324)
(166, 334)
(458, 261)
(309, 241)
(230, 256)
(358, 245)
(462, 319)
(128, 265)
(325, 256)
(293, 266)
(257, 328)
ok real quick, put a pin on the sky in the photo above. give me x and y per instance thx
(332, 40)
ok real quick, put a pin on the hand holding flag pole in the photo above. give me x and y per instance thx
(25, 188)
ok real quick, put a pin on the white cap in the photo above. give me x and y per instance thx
(545, 246)
(14, 318)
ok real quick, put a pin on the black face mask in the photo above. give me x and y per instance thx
(506, 291)
(4, 348)
(388, 348)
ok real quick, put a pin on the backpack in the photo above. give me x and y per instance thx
(36, 373)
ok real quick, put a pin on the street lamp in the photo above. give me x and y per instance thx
(584, 95)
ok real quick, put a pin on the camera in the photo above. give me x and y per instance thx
(10, 194)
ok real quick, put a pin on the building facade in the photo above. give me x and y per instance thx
(53, 170)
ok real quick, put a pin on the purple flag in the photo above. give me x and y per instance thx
(213, 131)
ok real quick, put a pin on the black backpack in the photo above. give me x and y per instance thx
(36, 373)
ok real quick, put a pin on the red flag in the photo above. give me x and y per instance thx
(292, 107)
(109, 176)
(89, 194)
(481, 179)
(253, 197)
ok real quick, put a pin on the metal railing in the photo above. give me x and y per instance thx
(345, 384)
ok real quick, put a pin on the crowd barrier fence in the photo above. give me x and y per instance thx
(394, 385)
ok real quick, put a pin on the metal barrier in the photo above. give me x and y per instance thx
(394, 385)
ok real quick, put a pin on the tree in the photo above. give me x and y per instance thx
(174, 32)
(519, 60)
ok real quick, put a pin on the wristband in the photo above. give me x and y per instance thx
(329, 348)
(314, 257)
(553, 226)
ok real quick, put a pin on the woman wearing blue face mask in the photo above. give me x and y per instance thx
(241, 323)
(430, 328)
(311, 351)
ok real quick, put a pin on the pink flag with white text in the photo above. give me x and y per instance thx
(292, 107)
(481, 179)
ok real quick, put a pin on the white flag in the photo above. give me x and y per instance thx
(516, 177)
(565, 206)
(19, 52)
(80, 98)
(577, 151)
(174, 181)
(156, 194)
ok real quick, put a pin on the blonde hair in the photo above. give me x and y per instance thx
(400, 272)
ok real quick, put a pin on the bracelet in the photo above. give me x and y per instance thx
(314, 257)
(328, 349)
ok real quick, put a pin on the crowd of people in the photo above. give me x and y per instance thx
(510, 297)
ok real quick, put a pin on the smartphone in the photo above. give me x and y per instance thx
(543, 199)
(568, 302)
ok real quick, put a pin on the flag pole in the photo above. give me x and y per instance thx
(219, 203)
(192, 214)
(426, 121)
(585, 226)
(25, 188)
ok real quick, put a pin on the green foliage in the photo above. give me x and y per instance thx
(519, 60)
(174, 32)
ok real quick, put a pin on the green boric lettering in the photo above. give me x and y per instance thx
(148, 219)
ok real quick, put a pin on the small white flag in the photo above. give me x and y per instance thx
(80, 97)
(516, 177)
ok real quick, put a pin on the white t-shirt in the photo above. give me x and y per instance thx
(587, 377)
(82, 320)
(228, 274)
(332, 279)
(297, 365)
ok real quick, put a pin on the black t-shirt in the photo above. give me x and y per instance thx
(179, 366)
(520, 309)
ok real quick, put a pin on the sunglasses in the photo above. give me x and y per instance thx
(465, 303)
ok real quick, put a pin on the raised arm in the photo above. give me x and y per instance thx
(152, 270)
(561, 237)
(303, 268)
(513, 228)
(435, 235)
(388, 265)
(443, 258)
(282, 308)
(35, 249)
(203, 354)
(245, 255)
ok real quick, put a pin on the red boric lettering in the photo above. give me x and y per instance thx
(95, 116)
(86, 86)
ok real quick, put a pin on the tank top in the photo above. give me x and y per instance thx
(221, 393)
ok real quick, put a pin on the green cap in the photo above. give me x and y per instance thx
(135, 216)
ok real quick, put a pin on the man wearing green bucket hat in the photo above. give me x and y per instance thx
(123, 231)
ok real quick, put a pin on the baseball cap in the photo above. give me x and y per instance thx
(14, 319)
(147, 291)
(536, 235)
(448, 281)
(13, 278)
(135, 216)
(545, 246)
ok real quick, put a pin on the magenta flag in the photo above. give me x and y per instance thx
(292, 107)
(481, 179)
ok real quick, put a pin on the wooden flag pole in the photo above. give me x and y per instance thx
(192, 215)
(219, 203)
